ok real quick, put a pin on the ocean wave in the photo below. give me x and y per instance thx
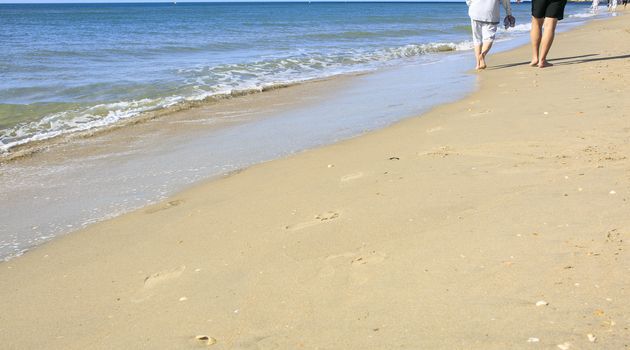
(583, 15)
(519, 28)
(201, 83)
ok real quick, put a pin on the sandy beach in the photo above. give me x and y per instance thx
(500, 221)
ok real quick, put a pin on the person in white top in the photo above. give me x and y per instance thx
(484, 18)
(595, 6)
(612, 6)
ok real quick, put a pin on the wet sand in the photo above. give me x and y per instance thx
(73, 184)
(500, 221)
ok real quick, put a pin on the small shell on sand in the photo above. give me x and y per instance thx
(183, 299)
(564, 346)
(612, 192)
(591, 337)
(542, 303)
(207, 339)
(533, 340)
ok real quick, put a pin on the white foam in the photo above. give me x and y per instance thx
(583, 15)
(207, 81)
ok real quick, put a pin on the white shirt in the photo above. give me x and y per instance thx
(487, 10)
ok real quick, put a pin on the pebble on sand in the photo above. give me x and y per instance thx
(542, 303)
(533, 340)
(591, 337)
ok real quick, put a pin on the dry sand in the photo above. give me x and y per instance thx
(440, 232)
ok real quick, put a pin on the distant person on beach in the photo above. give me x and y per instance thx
(613, 5)
(595, 6)
(545, 14)
(484, 18)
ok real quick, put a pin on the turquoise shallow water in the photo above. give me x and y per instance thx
(70, 67)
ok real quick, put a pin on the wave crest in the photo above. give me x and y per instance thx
(228, 80)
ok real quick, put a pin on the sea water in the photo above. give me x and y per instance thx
(69, 68)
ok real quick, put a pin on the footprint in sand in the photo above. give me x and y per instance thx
(164, 206)
(351, 177)
(260, 342)
(441, 152)
(614, 236)
(163, 276)
(482, 113)
(319, 218)
(156, 279)
(370, 257)
(330, 215)
(431, 130)
(346, 255)
(333, 262)
(362, 263)
(352, 263)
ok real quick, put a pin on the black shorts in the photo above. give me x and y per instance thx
(548, 8)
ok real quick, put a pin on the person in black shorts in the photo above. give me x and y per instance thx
(545, 14)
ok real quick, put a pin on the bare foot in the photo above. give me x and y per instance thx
(534, 62)
(544, 63)
(482, 62)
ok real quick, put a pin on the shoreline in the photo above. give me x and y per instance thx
(33, 146)
(408, 90)
(109, 174)
(440, 241)
(29, 147)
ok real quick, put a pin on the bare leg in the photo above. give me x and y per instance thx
(535, 35)
(477, 55)
(484, 51)
(547, 40)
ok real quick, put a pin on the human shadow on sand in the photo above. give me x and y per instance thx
(508, 65)
(593, 60)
